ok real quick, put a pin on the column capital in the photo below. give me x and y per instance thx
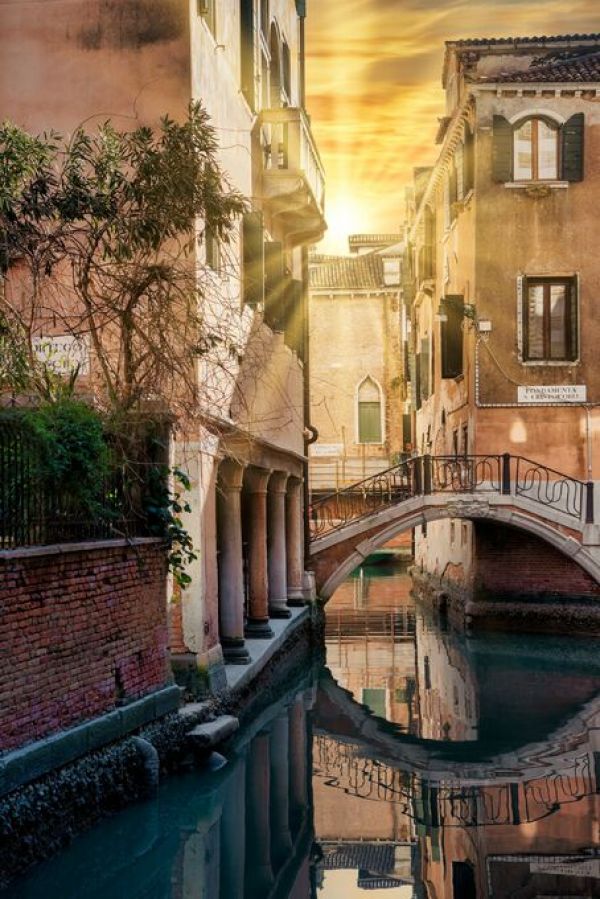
(278, 482)
(256, 479)
(231, 474)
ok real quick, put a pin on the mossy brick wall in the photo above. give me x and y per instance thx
(79, 633)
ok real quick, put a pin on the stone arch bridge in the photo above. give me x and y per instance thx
(351, 523)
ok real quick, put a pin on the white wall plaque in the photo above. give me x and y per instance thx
(63, 353)
(327, 449)
(554, 393)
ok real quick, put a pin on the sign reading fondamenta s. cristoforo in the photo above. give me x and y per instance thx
(552, 393)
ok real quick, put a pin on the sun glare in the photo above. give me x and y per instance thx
(344, 217)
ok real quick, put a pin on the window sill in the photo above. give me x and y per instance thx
(550, 363)
(537, 188)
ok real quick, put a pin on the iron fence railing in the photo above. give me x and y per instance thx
(36, 513)
(424, 475)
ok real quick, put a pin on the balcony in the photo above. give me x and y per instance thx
(292, 176)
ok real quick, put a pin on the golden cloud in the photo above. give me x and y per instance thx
(374, 90)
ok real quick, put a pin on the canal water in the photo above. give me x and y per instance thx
(411, 762)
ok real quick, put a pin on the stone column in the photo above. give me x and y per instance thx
(276, 546)
(294, 536)
(281, 838)
(259, 872)
(231, 566)
(255, 488)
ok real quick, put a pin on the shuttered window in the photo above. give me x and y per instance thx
(550, 319)
(452, 336)
(253, 267)
(247, 51)
(537, 149)
(369, 412)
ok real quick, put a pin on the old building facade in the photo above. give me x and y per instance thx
(501, 274)
(357, 377)
(80, 63)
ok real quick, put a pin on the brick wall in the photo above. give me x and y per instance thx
(511, 562)
(79, 632)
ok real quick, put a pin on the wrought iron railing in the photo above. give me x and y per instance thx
(424, 475)
(33, 512)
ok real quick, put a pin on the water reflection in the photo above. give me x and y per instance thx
(419, 764)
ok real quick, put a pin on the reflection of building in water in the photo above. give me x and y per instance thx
(359, 827)
(393, 661)
(371, 651)
(447, 687)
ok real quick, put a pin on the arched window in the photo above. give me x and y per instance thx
(370, 428)
(536, 150)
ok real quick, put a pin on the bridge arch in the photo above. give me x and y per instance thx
(335, 555)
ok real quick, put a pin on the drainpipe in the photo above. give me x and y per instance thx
(310, 433)
(588, 441)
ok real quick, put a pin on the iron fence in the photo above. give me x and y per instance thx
(34, 512)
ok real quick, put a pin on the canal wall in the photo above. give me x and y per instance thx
(509, 580)
(83, 632)
(55, 788)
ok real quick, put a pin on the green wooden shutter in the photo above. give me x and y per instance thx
(424, 367)
(274, 285)
(502, 151)
(253, 275)
(369, 422)
(469, 160)
(572, 148)
(452, 337)
(247, 50)
(572, 348)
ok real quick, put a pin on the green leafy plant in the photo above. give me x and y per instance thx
(72, 457)
(164, 505)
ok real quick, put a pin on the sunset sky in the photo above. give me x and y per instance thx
(374, 90)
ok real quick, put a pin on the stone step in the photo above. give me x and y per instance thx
(212, 733)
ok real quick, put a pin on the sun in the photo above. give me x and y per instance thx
(344, 216)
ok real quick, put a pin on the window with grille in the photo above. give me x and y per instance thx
(369, 412)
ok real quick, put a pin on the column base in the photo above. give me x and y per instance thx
(279, 609)
(296, 598)
(258, 629)
(235, 652)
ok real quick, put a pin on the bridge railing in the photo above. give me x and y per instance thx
(424, 475)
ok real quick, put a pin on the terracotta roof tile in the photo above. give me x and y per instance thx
(576, 68)
(347, 272)
(544, 39)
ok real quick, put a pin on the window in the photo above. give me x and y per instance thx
(247, 51)
(264, 18)
(212, 250)
(451, 334)
(287, 71)
(391, 271)
(369, 412)
(536, 148)
(536, 151)
(549, 320)
(253, 259)
(208, 10)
